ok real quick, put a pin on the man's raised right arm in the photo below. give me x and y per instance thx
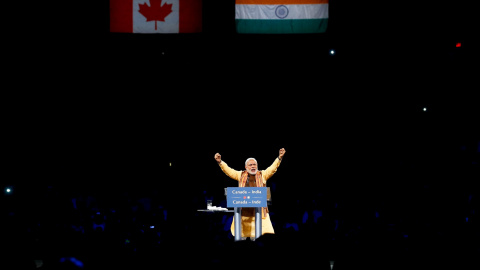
(235, 175)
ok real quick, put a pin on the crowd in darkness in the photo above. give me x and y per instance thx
(78, 227)
(412, 211)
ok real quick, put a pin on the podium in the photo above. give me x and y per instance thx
(253, 197)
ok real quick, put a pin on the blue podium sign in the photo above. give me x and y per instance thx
(246, 197)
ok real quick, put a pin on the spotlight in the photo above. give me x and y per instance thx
(332, 52)
(424, 109)
(8, 190)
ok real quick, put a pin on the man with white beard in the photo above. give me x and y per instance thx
(252, 177)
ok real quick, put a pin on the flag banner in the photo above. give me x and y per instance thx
(156, 16)
(281, 16)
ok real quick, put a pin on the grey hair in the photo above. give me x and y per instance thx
(250, 159)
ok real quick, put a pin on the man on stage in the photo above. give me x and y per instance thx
(252, 177)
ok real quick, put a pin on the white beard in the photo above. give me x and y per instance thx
(252, 173)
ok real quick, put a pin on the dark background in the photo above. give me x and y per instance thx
(92, 121)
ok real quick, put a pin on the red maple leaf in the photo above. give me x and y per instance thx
(156, 11)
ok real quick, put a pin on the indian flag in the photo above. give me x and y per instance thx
(281, 16)
(156, 16)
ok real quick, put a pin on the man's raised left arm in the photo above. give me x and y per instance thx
(273, 168)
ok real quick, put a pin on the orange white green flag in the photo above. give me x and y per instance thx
(281, 16)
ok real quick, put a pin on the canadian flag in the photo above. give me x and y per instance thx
(156, 16)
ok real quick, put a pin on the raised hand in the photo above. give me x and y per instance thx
(218, 157)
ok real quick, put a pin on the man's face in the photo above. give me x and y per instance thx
(251, 167)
